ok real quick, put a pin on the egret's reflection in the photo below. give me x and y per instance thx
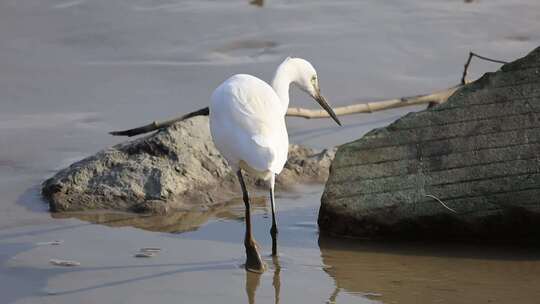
(175, 221)
(276, 280)
(253, 281)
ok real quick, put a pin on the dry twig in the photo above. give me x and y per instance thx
(156, 125)
(364, 107)
(441, 202)
(468, 62)
(374, 106)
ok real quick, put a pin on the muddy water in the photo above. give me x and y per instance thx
(71, 70)
(314, 268)
(434, 273)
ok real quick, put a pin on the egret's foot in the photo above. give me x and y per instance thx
(254, 263)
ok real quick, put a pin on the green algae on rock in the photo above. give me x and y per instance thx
(479, 153)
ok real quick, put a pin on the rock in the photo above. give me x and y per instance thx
(479, 153)
(174, 169)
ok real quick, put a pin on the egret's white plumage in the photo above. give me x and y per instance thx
(247, 122)
(248, 125)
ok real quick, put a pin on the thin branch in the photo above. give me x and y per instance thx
(441, 202)
(468, 62)
(466, 68)
(156, 125)
(374, 106)
(364, 107)
(489, 59)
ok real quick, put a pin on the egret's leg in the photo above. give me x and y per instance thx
(273, 230)
(253, 258)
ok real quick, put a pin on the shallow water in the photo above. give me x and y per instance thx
(201, 262)
(71, 70)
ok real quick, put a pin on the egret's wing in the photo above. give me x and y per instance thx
(257, 117)
(254, 127)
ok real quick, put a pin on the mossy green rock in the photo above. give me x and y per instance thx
(479, 153)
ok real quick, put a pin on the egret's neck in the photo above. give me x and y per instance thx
(281, 83)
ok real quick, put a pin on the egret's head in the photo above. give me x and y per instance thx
(306, 79)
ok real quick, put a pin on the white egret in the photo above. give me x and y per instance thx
(247, 122)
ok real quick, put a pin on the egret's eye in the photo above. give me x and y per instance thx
(314, 80)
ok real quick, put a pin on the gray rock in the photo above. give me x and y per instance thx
(479, 153)
(174, 169)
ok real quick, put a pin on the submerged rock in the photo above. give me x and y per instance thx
(479, 153)
(174, 169)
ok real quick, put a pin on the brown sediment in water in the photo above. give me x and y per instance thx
(420, 272)
(390, 272)
(309, 269)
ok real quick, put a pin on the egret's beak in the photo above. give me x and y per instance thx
(322, 101)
